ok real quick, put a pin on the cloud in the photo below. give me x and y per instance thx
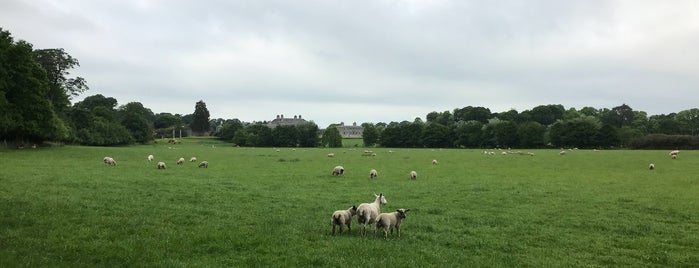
(373, 61)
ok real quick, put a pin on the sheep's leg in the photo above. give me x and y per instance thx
(342, 228)
(398, 230)
(333, 229)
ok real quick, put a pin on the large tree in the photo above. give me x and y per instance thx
(27, 113)
(200, 119)
(308, 134)
(370, 135)
(138, 120)
(331, 137)
(57, 63)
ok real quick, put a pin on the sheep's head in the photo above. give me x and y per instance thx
(353, 210)
(381, 198)
(402, 212)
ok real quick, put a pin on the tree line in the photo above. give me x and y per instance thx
(36, 91)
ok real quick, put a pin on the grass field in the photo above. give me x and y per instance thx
(271, 207)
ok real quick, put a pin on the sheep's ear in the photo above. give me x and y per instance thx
(407, 209)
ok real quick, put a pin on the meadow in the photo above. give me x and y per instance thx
(62, 207)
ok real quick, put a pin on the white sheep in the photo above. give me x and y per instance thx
(434, 162)
(373, 174)
(109, 161)
(651, 166)
(180, 161)
(562, 153)
(150, 158)
(674, 154)
(161, 165)
(331, 155)
(413, 175)
(342, 218)
(193, 159)
(367, 213)
(389, 221)
(204, 164)
(338, 170)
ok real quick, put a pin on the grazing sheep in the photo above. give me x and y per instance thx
(389, 221)
(342, 218)
(434, 162)
(373, 174)
(193, 159)
(331, 155)
(413, 175)
(562, 153)
(204, 164)
(651, 166)
(674, 156)
(180, 161)
(109, 161)
(150, 158)
(367, 213)
(338, 170)
(161, 165)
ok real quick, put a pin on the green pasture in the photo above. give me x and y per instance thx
(271, 207)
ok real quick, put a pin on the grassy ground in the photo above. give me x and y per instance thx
(272, 207)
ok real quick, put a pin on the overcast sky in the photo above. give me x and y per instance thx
(372, 60)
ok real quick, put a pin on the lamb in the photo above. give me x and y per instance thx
(373, 174)
(389, 221)
(161, 165)
(368, 212)
(193, 159)
(204, 164)
(342, 218)
(651, 166)
(338, 170)
(413, 175)
(150, 158)
(109, 161)
(331, 155)
(434, 162)
(180, 161)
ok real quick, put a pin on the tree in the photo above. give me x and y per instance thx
(308, 134)
(200, 119)
(531, 134)
(94, 121)
(436, 135)
(285, 136)
(505, 134)
(27, 112)
(480, 114)
(469, 134)
(230, 127)
(547, 114)
(56, 62)
(391, 136)
(331, 137)
(608, 137)
(166, 120)
(689, 121)
(259, 135)
(370, 135)
(138, 120)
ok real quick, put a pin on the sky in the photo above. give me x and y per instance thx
(372, 60)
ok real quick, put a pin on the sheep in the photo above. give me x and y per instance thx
(413, 175)
(373, 174)
(562, 153)
(193, 159)
(674, 154)
(368, 212)
(338, 170)
(331, 155)
(204, 164)
(161, 165)
(342, 218)
(651, 166)
(389, 221)
(434, 162)
(109, 161)
(150, 158)
(180, 161)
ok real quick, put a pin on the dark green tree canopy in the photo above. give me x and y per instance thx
(200, 118)
(331, 137)
(57, 63)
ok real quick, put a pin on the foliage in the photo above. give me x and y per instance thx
(95, 122)
(28, 114)
(138, 120)
(230, 127)
(663, 141)
(370, 135)
(285, 136)
(56, 62)
(331, 137)
(308, 134)
(200, 119)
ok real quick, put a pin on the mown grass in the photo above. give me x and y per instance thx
(271, 207)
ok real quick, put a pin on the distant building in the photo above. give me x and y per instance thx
(281, 121)
(352, 131)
